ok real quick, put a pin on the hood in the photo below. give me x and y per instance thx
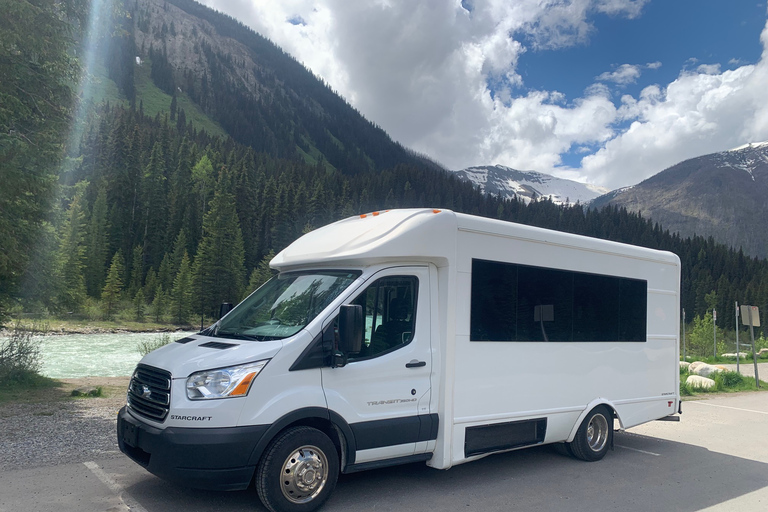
(197, 353)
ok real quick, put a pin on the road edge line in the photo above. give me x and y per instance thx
(113, 486)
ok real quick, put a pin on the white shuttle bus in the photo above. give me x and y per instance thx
(411, 335)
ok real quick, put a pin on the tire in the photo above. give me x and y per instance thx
(298, 471)
(595, 435)
(563, 449)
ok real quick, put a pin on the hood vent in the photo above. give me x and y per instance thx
(185, 340)
(219, 345)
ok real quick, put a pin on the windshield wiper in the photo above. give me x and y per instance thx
(240, 336)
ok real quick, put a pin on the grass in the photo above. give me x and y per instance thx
(103, 89)
(41, 389)
(725, 382)
(32, 388)
(728, 360)
(145, 347)
(313, 155)
(154, 102)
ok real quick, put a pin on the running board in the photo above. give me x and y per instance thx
(376, 464)
(671, 417)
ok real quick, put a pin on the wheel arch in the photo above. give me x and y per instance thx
(328, 422)
(589, 408)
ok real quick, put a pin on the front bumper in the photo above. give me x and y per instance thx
(204, 458)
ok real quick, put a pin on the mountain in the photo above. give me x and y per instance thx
(509, 183)
(723, 195)
(256, 93)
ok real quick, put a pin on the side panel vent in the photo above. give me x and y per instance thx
(504, 436)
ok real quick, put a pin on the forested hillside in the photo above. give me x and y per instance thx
(174, 223)
(152, 216)
(261, 96)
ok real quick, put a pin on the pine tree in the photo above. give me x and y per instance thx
(261, 274)
(96, 246)
(159, 304)
(112, 292)
(182, 294)
(139, 305)
(218, 268)
(151, 282)
(72, 256)
(203, 181)
(136, 271)
(37, 67)
(165, 274)
(154, 200)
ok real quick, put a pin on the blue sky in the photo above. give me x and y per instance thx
(678, 34)
(604, 91)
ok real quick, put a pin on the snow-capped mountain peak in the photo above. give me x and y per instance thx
(509, 183)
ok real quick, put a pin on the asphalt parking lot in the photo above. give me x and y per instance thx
(716, 458)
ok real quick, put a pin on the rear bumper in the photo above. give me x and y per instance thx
(204, 458)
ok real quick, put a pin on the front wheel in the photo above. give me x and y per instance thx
(594, 435)
(298, 471)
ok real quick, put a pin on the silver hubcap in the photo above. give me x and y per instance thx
(304, 474)
(597, 432)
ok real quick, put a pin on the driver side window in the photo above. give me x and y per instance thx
(389, 310)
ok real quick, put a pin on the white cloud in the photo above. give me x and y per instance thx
(624, 74)
(698, 113)
(421, 71)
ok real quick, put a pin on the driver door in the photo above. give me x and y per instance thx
(384, 392)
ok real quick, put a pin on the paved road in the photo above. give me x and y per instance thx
(715, 459)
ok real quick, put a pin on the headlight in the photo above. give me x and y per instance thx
(224, 382)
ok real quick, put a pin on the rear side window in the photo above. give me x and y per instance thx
(511, 302)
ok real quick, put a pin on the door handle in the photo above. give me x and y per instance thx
(415, 364)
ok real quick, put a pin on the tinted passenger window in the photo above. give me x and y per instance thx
(389, 309)
(512, 302)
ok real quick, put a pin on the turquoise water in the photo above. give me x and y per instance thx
(94, 355)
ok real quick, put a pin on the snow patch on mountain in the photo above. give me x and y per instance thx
(745, 158)
(509, 183)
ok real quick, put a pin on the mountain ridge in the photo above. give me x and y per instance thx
(721, 194)
(509, 183)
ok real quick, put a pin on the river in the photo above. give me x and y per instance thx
(94, 355)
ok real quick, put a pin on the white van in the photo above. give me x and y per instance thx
(411, 335)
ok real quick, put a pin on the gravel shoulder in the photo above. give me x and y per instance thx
(50, 427)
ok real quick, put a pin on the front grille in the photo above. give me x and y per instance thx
(149, 393)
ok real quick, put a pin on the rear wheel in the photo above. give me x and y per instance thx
(594, 435)
(298, 471)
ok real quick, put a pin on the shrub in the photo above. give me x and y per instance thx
(20, 356)
(728, 379)
(147, 346)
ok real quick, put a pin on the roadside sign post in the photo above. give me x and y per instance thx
(684, 354)
(738, 352)
(750, 315)
(714, 331)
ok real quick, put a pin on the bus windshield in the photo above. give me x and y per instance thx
(284, 305)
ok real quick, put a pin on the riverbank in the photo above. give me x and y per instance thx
(58, 326)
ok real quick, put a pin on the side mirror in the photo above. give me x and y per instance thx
(225, 308)
(350, 333)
